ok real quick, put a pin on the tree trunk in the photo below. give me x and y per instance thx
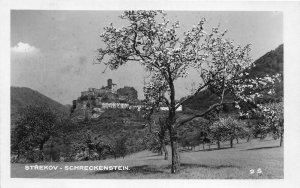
(175, 155)
(166, 155)
(218, 142)
(99, 155)
(165, 150)
(237, 140)
(42, 156)
(51, 152)
(231, 142)
(172, 129)
(248, 138)
(203, 146)
(161, 147)
(18, 156)
(281, 139)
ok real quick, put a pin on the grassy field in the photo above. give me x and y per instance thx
(226, 163)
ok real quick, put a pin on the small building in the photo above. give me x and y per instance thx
(165, 108)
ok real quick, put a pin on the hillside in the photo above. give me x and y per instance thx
(226, 163)
(111, 126)
(271, 63)
(23, 96)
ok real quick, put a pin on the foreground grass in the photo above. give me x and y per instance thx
(227, 163)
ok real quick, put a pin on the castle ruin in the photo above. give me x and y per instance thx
(110, 88)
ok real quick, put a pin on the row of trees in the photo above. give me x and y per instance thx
(220, 129)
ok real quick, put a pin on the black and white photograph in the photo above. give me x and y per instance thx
(147, 94)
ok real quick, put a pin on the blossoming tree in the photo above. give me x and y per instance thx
(151, 40)
(272, 115)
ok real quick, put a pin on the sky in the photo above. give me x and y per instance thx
(54, 52)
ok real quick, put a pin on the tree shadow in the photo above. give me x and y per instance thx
(267, 147)
(147, 169)
(213, 149)
(190, 165)
(154, 159)
(143, 169)
(154, 155)
(266, 140)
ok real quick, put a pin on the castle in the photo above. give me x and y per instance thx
(94, 101)
(110, 88)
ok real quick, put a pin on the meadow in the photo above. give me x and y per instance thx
(240, 162)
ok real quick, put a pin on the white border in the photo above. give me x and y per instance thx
(291, 12)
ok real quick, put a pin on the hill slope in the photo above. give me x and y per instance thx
(271, 63)
(227, 163)
(23, 96)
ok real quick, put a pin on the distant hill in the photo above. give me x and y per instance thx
(23, 96)
(271, 63)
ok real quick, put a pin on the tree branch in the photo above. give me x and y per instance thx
(211, 108)
(199, 89)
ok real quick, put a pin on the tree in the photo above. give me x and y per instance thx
(156, 137)
(120, 147)
(151, 40)
(162, 137)
(273, 119)
(228, 128)
(35, 127)
(87, 141)
(194, 133)
(103, 148)
(218, 132)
